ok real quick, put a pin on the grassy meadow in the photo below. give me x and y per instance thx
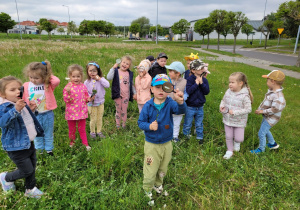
(110, 175)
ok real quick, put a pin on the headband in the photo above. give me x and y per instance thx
(44, 63)
(95, 64)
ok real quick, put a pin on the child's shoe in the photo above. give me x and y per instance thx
(149, 196)
(158, 189)
(201, 141)
(88, 148)
(228, 155)
(50, 153)
(101, 135)
(256, 151)
(236, 146)
(6, 186)
(93, 135)
(176, 140)
(34, 193)
(273, 146)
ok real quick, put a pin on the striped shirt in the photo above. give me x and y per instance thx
(272, 106)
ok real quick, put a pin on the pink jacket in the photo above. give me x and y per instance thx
(50, 98)
(76, 102)
(142, 86)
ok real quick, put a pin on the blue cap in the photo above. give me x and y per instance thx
(160, 79)
(176, 66)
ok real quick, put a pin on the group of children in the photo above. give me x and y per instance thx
(26, 112)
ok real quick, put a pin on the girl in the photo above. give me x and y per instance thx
(40, 90)
(176, 69)
(235, 106)
(76, 97)
(95, 85)
(122, 89)
(196, 87)
(19, 128)
(143, 84)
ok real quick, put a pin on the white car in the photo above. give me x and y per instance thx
(162, 38)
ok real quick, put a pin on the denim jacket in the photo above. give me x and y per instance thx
(14, 132)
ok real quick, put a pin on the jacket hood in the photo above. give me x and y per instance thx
(151, 101)
(3, 100)
(244, 90)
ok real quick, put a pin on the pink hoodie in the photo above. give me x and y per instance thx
(142, 86)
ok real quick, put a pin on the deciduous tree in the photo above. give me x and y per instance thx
(247, 29)
(218, 17)
(6, 22)
(180, 27)
(108, 28)
(268, 25)
(135, 28)
(204, 27)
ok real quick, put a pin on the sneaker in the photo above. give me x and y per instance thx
(201, 141)
(6, 186)
(228, 155)
(34, 193)
(187, 136)
(175, 140)
(124, 126)
(149, 195)
(273, 146)
(256, 151)
(88, 148)
(158, 189)
(101, 135)
(93, 135)
(50, 153)
(236, 146)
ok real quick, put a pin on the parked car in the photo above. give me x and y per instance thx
(161, 38)
(134, 38)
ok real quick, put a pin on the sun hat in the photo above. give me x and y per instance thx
(197, 64)
(276, 75)
(176, 66)
(160, 79)
(150, 58)
(191, 57)
(144, 65)
(162, 55)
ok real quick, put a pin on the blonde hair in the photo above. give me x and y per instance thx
(241, 77)
(129, 58)
(75, 67)
(278, 82)
(45, 71)
(5, 81)
(99, 71)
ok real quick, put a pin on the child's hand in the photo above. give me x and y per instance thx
(20, 104)
(222, 109)
(230, 112)
(153, 126)
(68, 88)
(199, 80)
(259, 111)
(178, 96)
(116, 65)
(32, 105)
(134, 97)
(97, 78)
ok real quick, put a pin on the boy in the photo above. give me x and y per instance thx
(159, 66)
(151, 59)
(176, 69)
(271, 109)
(188, 59)
(157, 122)
(196, 87)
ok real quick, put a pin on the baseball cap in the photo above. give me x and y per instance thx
(150, 58)
(144, 65)
(162, 55)
(191, 57)
(197, 64)
(160, 79)
(276, 75)
(176, 66)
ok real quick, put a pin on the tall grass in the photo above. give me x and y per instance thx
(110, 175)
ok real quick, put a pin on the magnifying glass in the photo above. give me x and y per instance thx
(118, 61)
(203, 74)
(168, 87)
(21, 92)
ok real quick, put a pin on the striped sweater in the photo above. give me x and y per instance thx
(272, 106)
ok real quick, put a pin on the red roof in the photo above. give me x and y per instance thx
(28, 23)
(32, 23)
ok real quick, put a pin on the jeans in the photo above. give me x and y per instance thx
(25, 161)
(46, 120)
(198, 114)
(263, 133)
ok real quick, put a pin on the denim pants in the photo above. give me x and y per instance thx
(25, 161)
(198, 114)
(46, 120)
(263, 133)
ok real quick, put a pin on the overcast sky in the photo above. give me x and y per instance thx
(122, 12)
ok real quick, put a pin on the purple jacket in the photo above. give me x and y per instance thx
(99, 86)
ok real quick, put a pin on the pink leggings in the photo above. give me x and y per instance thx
(81, 130)
(235, 133)
(121, 110)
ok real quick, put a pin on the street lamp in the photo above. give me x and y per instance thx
(156, 19)
(263, 22)
(69, 16)
(93, 14)
(18, 19)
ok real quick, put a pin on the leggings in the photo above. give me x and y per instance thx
(121, 110)
(236, 133)
(81, 130)
(96, 115)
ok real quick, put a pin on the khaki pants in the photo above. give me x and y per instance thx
(96, 114)
(156, 161)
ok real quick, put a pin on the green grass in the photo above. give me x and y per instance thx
(224, 53)
(293, 68)
(110, 175)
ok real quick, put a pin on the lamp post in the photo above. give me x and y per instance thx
(263, 23)
(18, 19)
(93, 14)
(156, 20)
(69, 16)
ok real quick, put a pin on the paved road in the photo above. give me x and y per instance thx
(252, 53)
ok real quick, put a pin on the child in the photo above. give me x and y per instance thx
(151, 59)
(235, 106)
(271, 109)
(159, 66)
(176, 69)
(95, 84)
(19, 128)
(143, 84)
(157, 123)
(188, 59)
(196, 87)
(76, 97)
(122, 89)
(40, 90)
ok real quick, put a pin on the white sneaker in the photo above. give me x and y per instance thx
(158, 189)
(228, 155)
(236, 146)
(88, 148)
